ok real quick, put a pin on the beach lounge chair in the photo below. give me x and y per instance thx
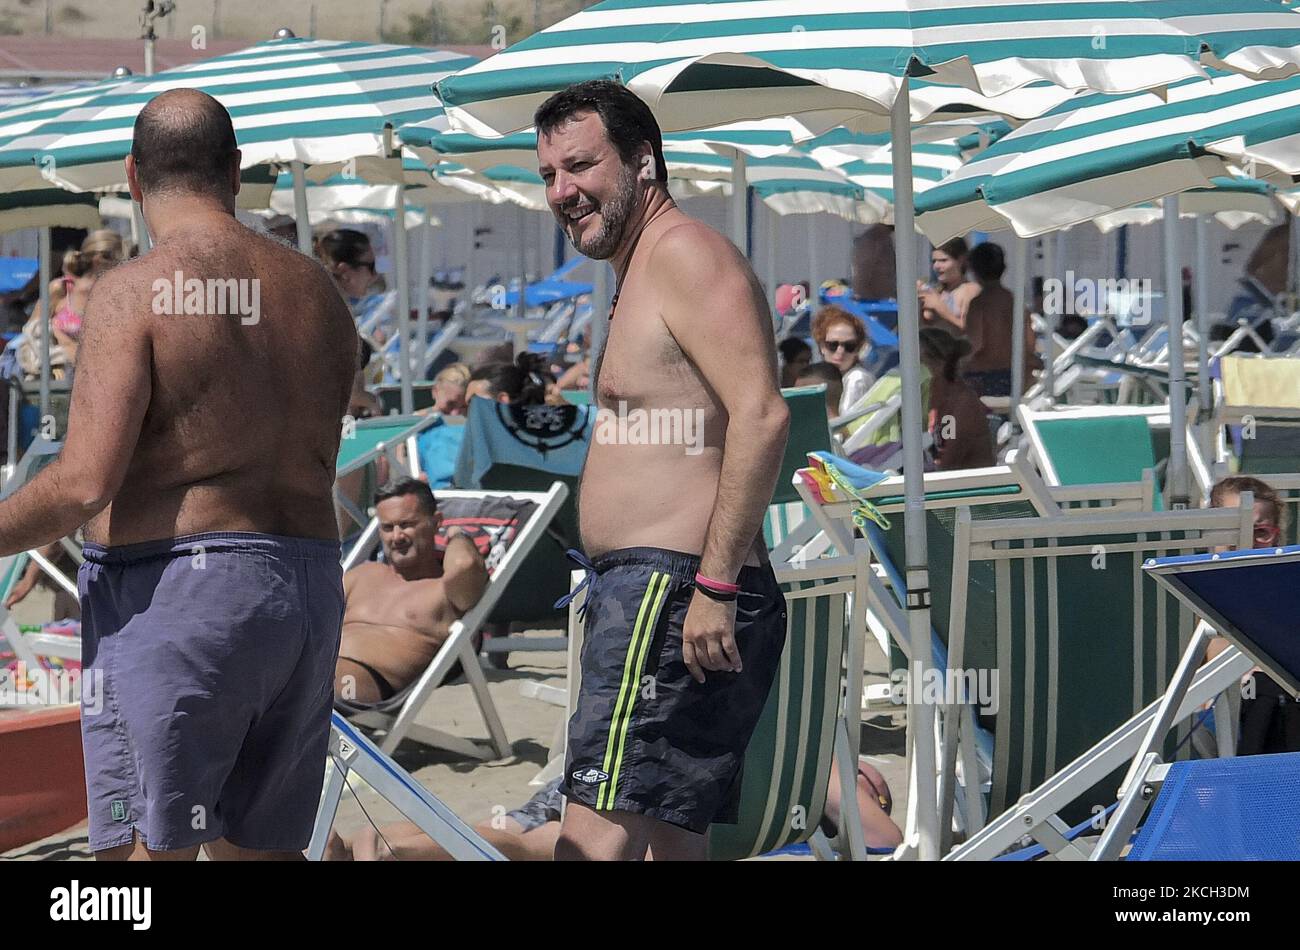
(1218, 809)
(396, 716)
(1095, 444)
(787, 528)
(1082, 641)
(999, 492)
(876, 421)
(351, 753)
(363, 442)
(1257, 416)
(516, 448)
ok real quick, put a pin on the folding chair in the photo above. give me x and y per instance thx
(1221, 809)
(1083, 644)
(363, 442)
(1262, 397)
(396, 716)
(1094, 445)
(787, 529)
(351, 753)
(810, 719)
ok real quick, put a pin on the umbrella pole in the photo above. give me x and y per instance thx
(1019, 257)
(739, 200)
(1177, 472)
(302, 218)
(770, 253)
(43, 256)
(1051, 271)
(1202, 315)
(400, 272)
(920, 715)
(521, 309)
(422, 275)
(599, 326)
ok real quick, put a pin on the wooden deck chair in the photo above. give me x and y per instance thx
(396, 716)
(999, 492)
(811, 719)
(363, 442)
(1083, 640)
(1230, 808)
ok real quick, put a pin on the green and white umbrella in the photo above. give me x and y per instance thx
(830, 63)
(310, 101)
(1100, 154)
(1233, 202)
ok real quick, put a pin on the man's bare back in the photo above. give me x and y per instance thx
(655, 495)
(242, 427)
(393, 625)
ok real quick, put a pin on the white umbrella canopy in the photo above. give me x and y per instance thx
(311, 101)
(830, 63)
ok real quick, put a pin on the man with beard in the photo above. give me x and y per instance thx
(684, 619)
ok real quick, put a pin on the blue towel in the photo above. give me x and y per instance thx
(544, 438)
(438, 447)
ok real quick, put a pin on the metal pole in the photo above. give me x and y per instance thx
(422, 274)
(148, 56)
(920, 714)
(1019, 257)
(1203, 313)
(1051, 272)
(44, 258)
(302, 218)
(1177, 472)
(599, 327)
(739, 196)
(521, 226)
(771, 217)
(400, 276)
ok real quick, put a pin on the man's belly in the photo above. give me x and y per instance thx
(646, 496)
(399, 654)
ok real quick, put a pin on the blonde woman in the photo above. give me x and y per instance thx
(100, 251)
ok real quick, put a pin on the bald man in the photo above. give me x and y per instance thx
(200, 458)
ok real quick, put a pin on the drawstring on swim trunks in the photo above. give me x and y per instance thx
(588, 583)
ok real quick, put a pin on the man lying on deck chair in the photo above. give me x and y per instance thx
(529, 832)
(398, 613)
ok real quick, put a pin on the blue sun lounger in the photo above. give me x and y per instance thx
(1220, 809)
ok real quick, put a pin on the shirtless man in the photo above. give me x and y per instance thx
(988, 327)
(200, 458)
(399, 612)
(676, 665)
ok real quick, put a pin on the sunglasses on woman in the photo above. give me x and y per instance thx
(849, 346)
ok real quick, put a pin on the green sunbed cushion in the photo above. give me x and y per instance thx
(809, 432)
(1099, 450)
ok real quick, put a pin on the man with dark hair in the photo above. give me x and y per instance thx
(685, 620)
(989, 313)
(400, 612)
(201, 458)
(828, 375)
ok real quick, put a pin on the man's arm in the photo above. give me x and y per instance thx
(110, 395)
(716, 311)
(464, 574)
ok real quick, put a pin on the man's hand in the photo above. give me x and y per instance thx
(709, 637)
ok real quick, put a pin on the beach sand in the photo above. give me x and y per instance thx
(477, 791)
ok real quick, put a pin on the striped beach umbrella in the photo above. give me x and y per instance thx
(1234, 202)
(1100, 154)
(831, 63)
(311, 101)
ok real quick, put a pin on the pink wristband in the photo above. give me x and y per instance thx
(719, 586)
